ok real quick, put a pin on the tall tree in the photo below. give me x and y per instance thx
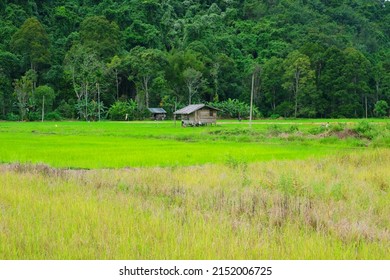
(101, 36)
(355, 71)
(146, 65)
(272, 77)
(44, 98)
(24, 92)
(32, 42)
(9, 67)
(83, 69)
(193, 80)
(298, 76)
(114, 67)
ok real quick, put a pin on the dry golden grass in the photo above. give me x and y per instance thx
(336, 207)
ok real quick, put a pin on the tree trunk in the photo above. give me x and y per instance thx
(146, 89)
(273, 99)
(365, 100)
(251, 104)
(98, 92)
(377, 83)
(86, 101)
(43, 108)
(117, 84)
(297, 75)
(189, 95)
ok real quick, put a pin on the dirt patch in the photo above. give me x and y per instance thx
(346, 133)
(343, 134)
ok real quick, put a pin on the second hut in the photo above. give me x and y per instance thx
(157, 114)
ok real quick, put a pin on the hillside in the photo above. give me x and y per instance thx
(314, 58)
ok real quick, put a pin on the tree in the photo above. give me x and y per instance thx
(179, 63)
(381, 108)
(114, 67)
(298, 76)
(100, 36)
(84, 70)
(193, 80)
(23, 91)
(9, 67)
(32, 42)
(146, 65)
(272, 76)
(44, 98)
(355, 69)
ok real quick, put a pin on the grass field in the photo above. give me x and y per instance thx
(279, 190)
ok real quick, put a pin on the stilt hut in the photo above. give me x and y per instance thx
(197, 114)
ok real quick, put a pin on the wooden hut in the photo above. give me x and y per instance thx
(158, 114)
(197, 114)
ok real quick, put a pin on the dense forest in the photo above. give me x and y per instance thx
(87, 59)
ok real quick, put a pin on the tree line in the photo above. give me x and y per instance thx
(80, 58)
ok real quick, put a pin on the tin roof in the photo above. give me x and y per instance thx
(157, 110)
(192, 108)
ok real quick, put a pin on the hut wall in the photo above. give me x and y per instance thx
(192, 117)
(206, 115)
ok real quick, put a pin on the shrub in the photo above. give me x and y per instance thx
(365, 129)
(317, 130)
(274, 130)
(232, 108)
(337, 127)
(34, 116)
(53, 116)
(293, 128)
(90, 110)
(120, 109)
(67, 109)
(381, 108)
(12, 117)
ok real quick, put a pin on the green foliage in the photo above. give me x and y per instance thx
(366, 129)
(99, 35)
(90, 110)
(67, 110)
(233, 108)
(123, 111)
(12, 117)
(337, 127)
(23, 92)
(33, 116)
(53, 116)
(317, 130)
(44, 96)
(298, 77)
(381, 108)
(146, 67)
(32, 42)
